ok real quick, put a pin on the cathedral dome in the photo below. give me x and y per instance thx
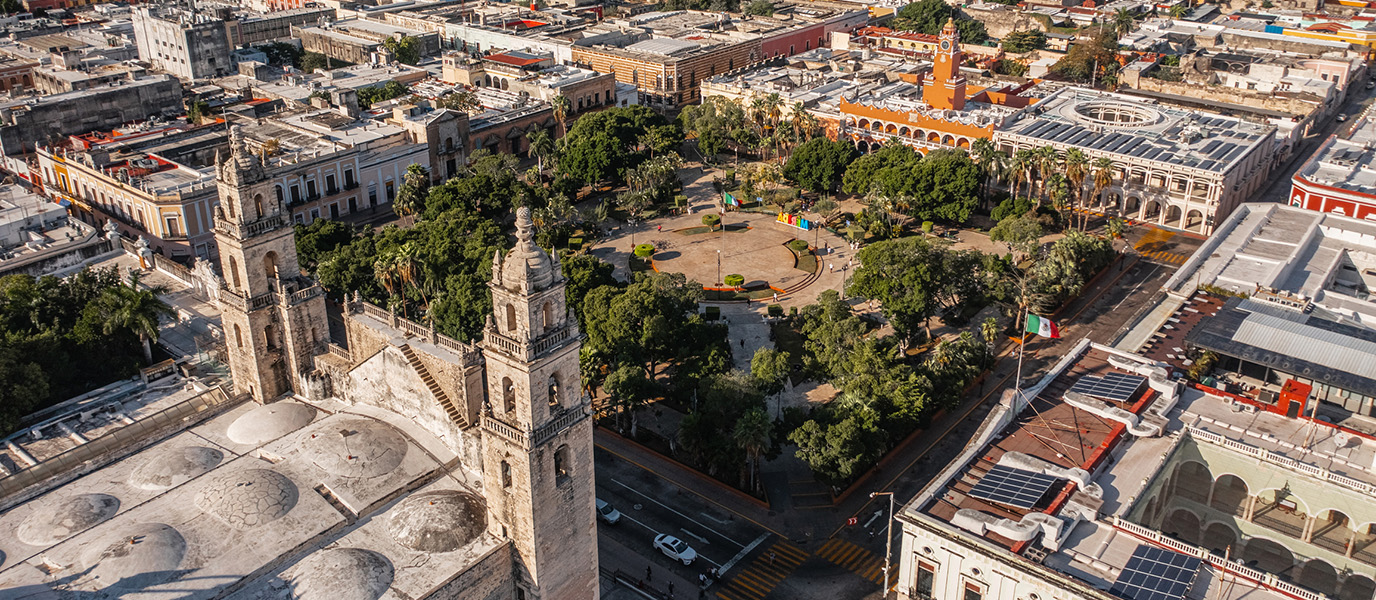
(269, 422)
(438, 521)
(527, 267)
(57, 520)
(174, 467)
(136, 557)
(343, 574)
(247, 499)
(357, 448)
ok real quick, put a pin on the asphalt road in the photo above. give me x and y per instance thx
(650, 506)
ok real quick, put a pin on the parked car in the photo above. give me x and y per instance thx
(607, 512)
(1342, 118)
(675, 548)
(1370, 84)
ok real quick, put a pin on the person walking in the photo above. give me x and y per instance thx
(649, 574)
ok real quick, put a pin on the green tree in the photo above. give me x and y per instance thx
(1023, 233)
(542, 147)
(882, 167)
(763, 8)
(640, 323)
(1028, 40)
(320, 238)
(819, 164)
(465, 101)
(281, 53)
(585, 273)
(136, 310)
(629, 389)
(562, 106)
(754, 434)
(916, 280)
(311, 62)
(415, 185)
(831, 331)
(405, 49)
(367, 96)
(840, 452)
(712, 123)
(602, 146)
(1090, 59)
(770, 368)
(930, 16)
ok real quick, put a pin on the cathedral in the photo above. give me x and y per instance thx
(385, 461)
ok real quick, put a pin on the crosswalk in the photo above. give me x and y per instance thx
(1166, 257)
(858, 560)
(758, 578)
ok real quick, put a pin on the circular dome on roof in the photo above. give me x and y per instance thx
(174, 467)
(355, 448)
(58, 520)
(136, 557)
(342, 574)
(248, 498)
(439, 521)
(269, 422)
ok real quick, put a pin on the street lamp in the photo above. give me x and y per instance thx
(888, 543)
(718, 266)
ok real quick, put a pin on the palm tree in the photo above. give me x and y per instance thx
(989, 330)
(1179, 11)
(1103, 176)
(562, 107)
(1123, 21)
(1047, 161)
(796, 118)
(408, 269)
(382, 271)
(1076, 169)
(753, 434)
(136, 310)
(758, 111)
(541, 145)
(1020, 168)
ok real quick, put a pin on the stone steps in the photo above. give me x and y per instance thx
(454, 414)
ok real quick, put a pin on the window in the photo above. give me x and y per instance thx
(508, 397)
(925, 581)
(562, 467)
(554, 390)
(295, 194)
(234, 272)
(173, 229)
(280, 199)
(391, 191)
(310, 189)
(349, 177)
(315, 214)
(329, 184)
(510, 318)
(506, 474)
(973, 591)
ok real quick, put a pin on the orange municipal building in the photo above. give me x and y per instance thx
(948, 112)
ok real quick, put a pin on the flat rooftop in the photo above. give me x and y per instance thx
(1319, 258)
(1108, 453)
(1139, 130)
(1346, 162)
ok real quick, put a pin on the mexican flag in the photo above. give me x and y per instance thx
(730, 200)
(1043, 326)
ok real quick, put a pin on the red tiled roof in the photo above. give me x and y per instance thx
(507, 59)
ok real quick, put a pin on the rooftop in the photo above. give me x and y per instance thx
(1108, 453)
(1319, 259)
(1138, 129)
(1346, 162)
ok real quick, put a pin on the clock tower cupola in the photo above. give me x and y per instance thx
(945, 86)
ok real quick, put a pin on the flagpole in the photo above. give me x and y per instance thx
(1022, 349)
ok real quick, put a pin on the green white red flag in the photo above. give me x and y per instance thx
(1043, 326)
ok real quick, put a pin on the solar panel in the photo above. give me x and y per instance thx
(1119, 387)
(1012, 487)
(1156, 574)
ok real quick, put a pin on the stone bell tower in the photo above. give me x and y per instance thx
(537, 434)
(274, 319)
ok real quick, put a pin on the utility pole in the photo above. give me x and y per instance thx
(888, 542)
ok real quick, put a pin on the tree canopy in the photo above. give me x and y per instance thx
(929, 16)
(1024, 41)
(405, 49)
(819, 164)
(603, 145)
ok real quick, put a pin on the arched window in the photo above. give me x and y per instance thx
(547, 316)
(234, 272)
(238, 336)
(563, 467)
(554, 390)
(258, 205)
(508, 397)
(270, 336)
(281, 198)
(506, 474)
(270, 266)
(510, 318)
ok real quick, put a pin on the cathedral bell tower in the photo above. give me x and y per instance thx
(274, 319)
(536, 430)
(945, 86)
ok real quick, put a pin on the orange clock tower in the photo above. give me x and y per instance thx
(945, 87)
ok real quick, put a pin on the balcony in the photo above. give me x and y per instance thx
(331, 191)
(350, 185)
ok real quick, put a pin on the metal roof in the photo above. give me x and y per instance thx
(665, 46)
(1300, 344)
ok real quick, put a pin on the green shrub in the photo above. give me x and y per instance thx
(711, 313)
(775, 310)
(644, 250)
(1011, 207)
(927, 226)
(799, 246)
(711, 220)
(734, 280)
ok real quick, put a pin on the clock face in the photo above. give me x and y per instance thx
(945, 45)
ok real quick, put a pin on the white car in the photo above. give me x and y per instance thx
(607, 512)
(675, 548)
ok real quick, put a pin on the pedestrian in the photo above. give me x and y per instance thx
(661, 228)
(671, 589)
(742, 342)
(713, 573)
(649, 575)
(702, 579)
(831, 267)
(771, 557)
(776, 296)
